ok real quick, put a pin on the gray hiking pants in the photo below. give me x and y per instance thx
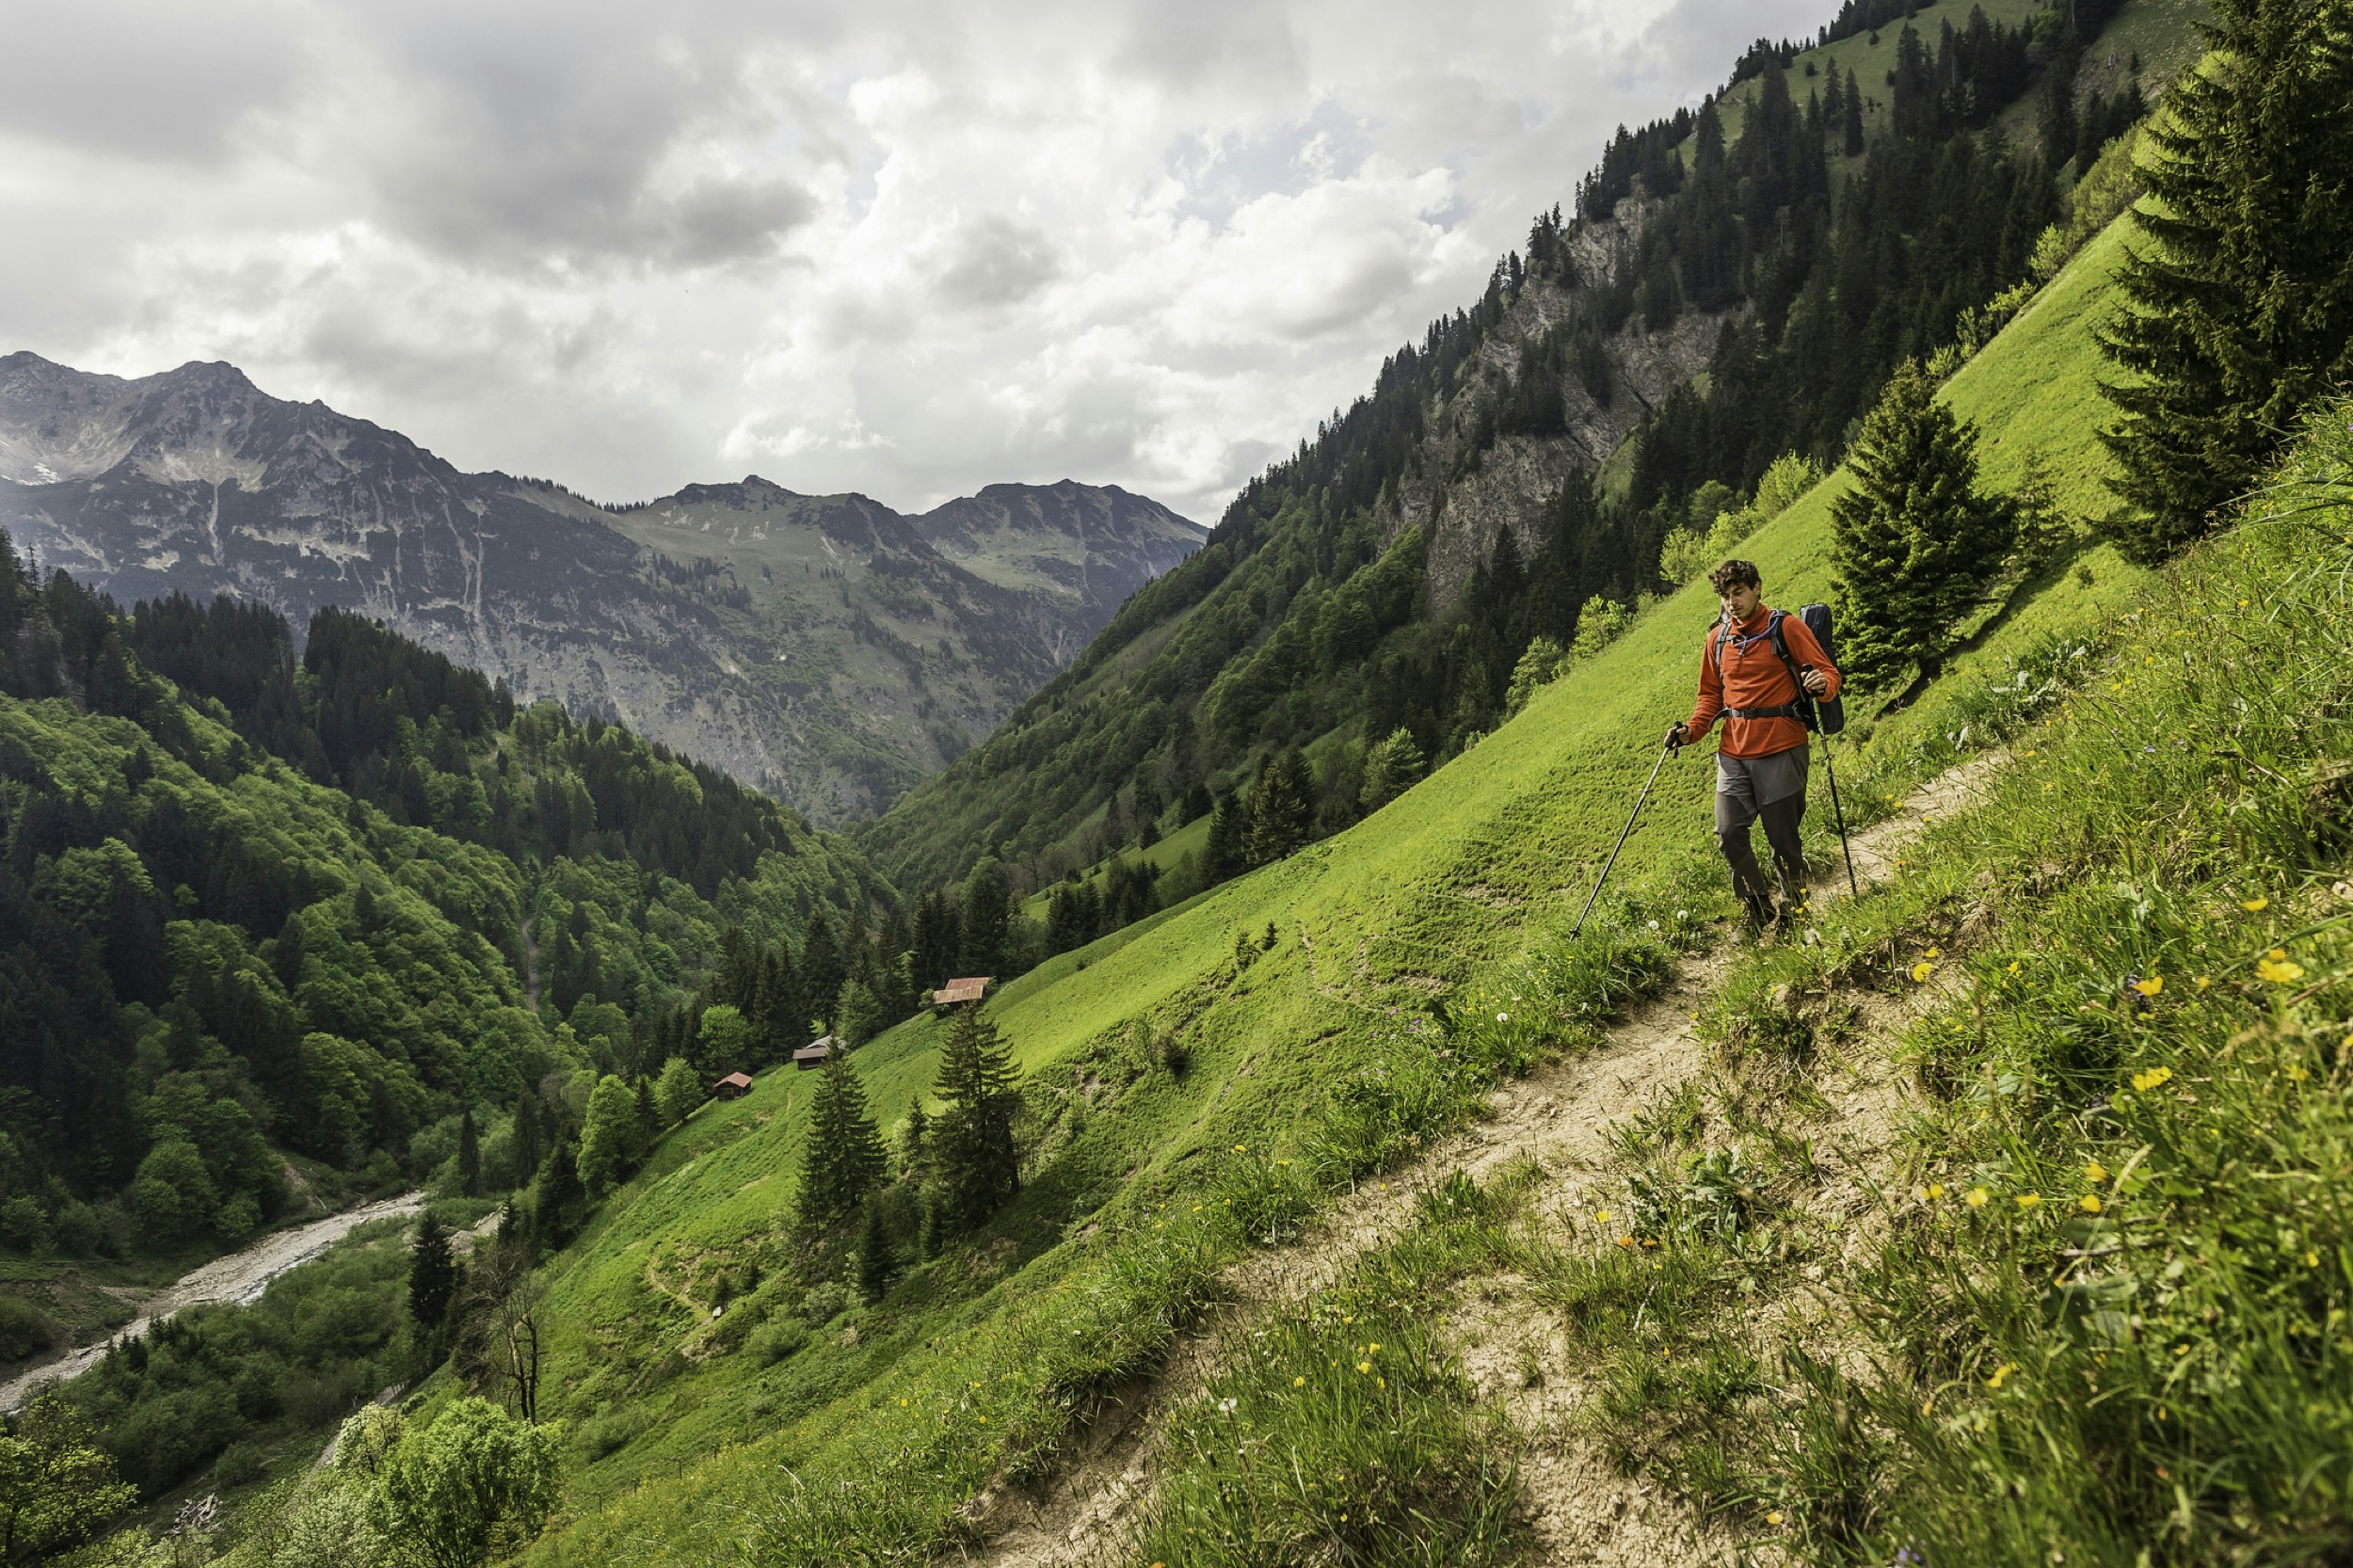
(1774, 788)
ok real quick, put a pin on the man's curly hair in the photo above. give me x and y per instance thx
(1734, 575)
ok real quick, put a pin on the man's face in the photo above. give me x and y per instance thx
(1739, 601)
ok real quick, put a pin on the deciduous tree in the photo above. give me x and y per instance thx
(475, 1484)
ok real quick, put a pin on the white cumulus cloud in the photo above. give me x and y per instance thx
(902, 246)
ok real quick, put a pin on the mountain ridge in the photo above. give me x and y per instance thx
(834, 685)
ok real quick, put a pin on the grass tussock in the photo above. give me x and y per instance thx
(1344, 1431)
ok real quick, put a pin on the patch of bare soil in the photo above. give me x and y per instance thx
(1578, 1508)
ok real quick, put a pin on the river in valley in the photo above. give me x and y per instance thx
(241, 1275)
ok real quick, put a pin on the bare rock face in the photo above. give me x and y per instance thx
(823, 647)
(1465, 496)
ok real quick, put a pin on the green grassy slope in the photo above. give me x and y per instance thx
(1448, 880)
(1190, 840)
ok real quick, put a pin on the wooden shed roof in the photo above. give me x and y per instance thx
(968, 989)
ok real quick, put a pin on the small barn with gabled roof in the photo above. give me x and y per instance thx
(815, 1054)
(734, 1086)
(969, 989)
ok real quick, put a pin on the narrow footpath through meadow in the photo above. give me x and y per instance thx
(1564, 1118)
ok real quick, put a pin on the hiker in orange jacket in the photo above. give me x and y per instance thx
(1760, 766)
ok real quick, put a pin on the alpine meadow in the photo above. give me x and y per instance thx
(1303, 1089)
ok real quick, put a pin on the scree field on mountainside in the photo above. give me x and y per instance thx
(1316, 1182)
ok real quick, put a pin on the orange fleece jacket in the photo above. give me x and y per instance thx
(1755, 676)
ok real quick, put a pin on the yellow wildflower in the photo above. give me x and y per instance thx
(1298, 1383)
(1976, 1197)
(1773, 1517)
(2280, 971)
(2089, 1203)
(2150, 986)
(2152, 1078)
(1936, 1191)
(1936, 953)
(2000, 1376)
(2255, 905)
(1920, 971)
(2312, 1259)
(2297, 1074)
(2203, 982)
(1373, 1349)
(1602, 1217)
(2028, 1200)
(1625, 1241)
(1364, 1366)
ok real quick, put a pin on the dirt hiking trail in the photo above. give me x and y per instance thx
(1578, 1509)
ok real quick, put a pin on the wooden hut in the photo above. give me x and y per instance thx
(734, 1086)
(815, 1054)
(969, 989)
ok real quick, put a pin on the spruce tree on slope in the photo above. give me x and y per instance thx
(845, 1157)
(469, 1156)
(2239, 300)
(877, 1259)
(821, 969)
(1914, 541)
(432, 1273)
(974, 1156)
(1227, 851)
(986, 918)
(1284, 810)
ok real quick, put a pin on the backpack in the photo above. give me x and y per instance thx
(1829, 716)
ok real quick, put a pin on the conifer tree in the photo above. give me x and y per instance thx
(649, 1122)
(432, 1273)
(857, 1015)
(821, 969)
(779, 1016)
(470, 1155)
(1914, 541)
(530, 1144)
(988, 913)
(845, 1157)
(2239, 300)
(1228, 850)
(976, 1163)
(1284, 810)
(1393, 767)
(1854, 127)
(877, 1259)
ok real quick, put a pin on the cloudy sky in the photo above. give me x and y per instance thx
(900, 247)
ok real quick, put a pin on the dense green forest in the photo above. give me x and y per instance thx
(335, 908)
(1839, 229)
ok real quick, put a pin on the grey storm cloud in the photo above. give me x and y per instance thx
(150, 79)
(996, 261)
(903, 246)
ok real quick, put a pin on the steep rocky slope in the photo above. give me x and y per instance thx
(824, 647)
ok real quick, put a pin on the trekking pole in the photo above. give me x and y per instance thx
(1838, 812)
(1663, 753)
